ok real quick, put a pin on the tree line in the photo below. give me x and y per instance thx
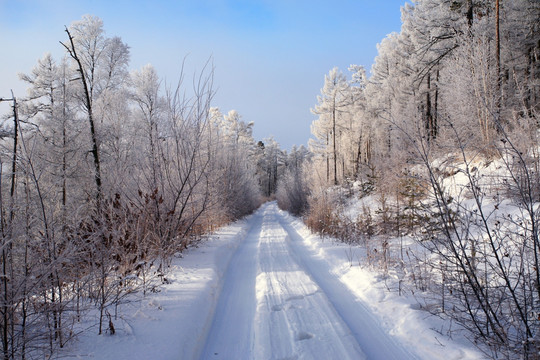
(106, 175)
(454, 95)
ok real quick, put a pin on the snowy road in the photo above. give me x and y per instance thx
(280, 301)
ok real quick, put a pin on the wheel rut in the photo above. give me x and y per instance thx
(278, 301)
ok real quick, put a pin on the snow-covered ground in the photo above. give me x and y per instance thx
(266, 288)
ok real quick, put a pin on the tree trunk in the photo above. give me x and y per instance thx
(498, 94)
(7, 246)
(334, 141)
(14, 160)
(435, 107)
(429, 115)
(470, 16)
(88, 104)
(327, 160)
(497, 40)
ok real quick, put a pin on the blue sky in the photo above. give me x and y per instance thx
(270, 56)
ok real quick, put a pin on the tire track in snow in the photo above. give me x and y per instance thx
(373, 340)
(279, 301)
(294, 319)
(231, 334)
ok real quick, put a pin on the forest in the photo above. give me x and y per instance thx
(108, 174)
(440, 144)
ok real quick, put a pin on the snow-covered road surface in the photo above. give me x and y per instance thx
(280, 301)
(265, 287)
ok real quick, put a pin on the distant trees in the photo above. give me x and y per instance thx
(271, 161)
(234, 172)
(293, 189)
(106, 176)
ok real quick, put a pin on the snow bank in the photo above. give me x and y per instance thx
(401, 315)
(172, 323)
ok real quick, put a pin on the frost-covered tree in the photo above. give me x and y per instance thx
(332, 104)
(459, 81)
(149, 108)
(110, 174)
(270, 163)
(293, 189)
(51, 154)
(234, 168)
(101, 64)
